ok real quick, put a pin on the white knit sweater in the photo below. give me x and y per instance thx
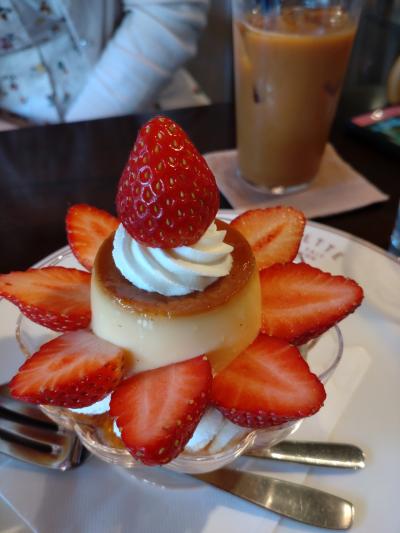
(74, 60)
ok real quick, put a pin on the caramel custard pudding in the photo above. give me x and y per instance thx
(158, 330)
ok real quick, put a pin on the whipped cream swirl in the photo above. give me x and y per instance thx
(174, 271)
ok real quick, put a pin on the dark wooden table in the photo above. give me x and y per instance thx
(46, 169)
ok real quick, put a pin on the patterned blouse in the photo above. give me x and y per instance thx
(82, 59)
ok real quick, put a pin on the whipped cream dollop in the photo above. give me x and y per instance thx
(174, 271)
(213, 432)
(97, 408)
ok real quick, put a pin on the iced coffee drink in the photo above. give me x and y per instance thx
(289, 69)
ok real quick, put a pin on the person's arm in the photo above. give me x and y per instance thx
(154, 38)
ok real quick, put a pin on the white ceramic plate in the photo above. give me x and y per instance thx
(363, 407)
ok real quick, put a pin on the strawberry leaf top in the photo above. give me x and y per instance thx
(167, 195)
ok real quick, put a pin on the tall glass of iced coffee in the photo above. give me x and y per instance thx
(290, 62)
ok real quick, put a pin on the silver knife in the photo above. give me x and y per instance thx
(331, 454)
(298, 502)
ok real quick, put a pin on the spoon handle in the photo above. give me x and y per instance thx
(331, 454)
(292, 500)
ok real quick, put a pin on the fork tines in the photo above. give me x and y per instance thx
(26, 433)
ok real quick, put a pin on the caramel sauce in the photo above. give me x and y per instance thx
(151, 303)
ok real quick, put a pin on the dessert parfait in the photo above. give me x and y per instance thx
(181, 336)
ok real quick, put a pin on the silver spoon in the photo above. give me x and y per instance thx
(298, 502)
(332, 454)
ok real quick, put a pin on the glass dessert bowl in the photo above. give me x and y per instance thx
(225, 441)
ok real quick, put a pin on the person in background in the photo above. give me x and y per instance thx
(71, 60)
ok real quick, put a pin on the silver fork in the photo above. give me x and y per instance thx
(29, 435)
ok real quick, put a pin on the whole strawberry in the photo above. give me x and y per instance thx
(167, 195)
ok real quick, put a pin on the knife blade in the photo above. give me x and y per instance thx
(332, 454)
(298, 502)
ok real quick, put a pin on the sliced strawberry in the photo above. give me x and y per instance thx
(55, 297)
(274, 233)
(75, 369)
(300, 302)
(87, 228)
(158, 410)
(167, 195)
(266, 385)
